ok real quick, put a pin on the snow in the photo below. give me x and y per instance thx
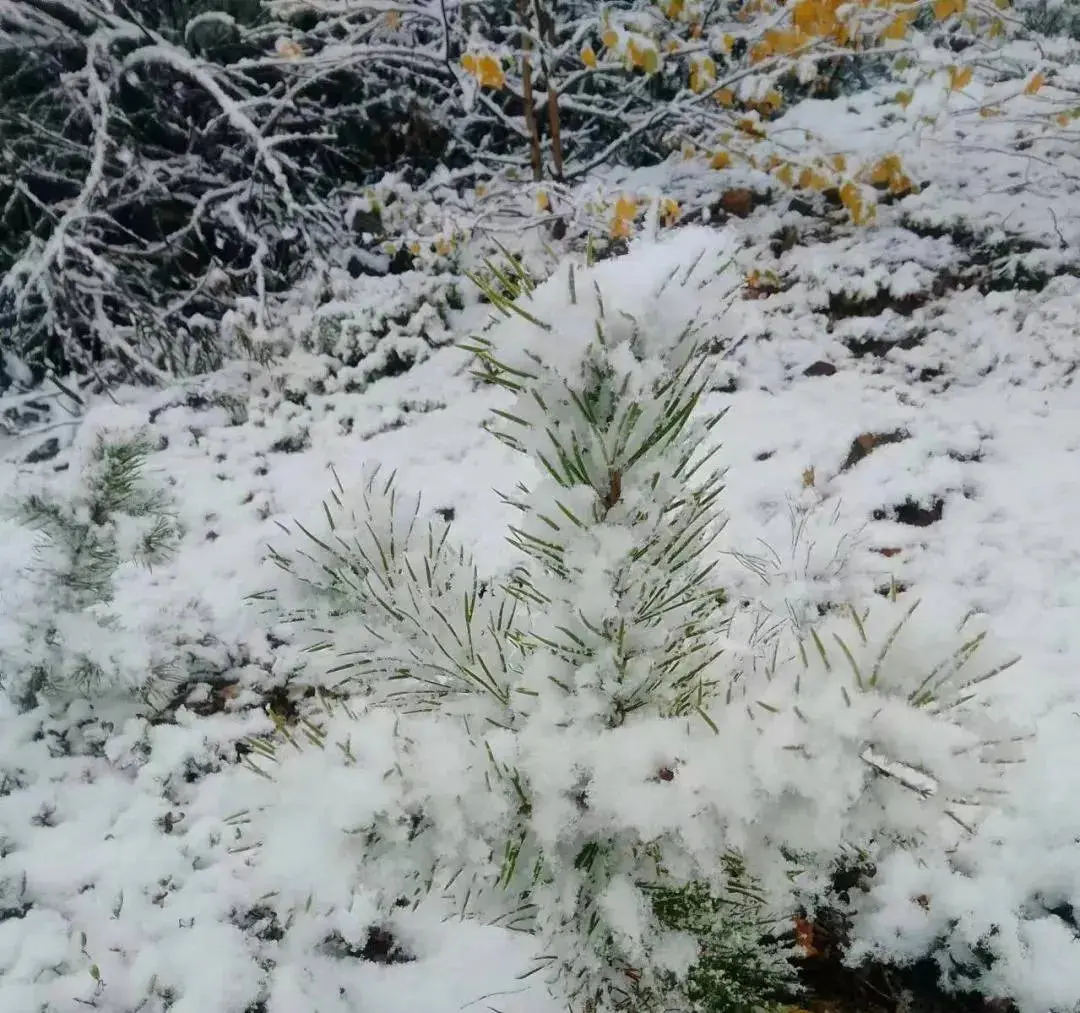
(148, 863)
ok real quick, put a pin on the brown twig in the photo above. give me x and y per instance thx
(527, 95)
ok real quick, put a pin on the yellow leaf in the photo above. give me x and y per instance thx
(669, 210)
(443, 246)
(959, 77)
(903, 98)
(468, 61)
(620, 228)
(987, 111)
(702, 74)
(729, 43)
(414, 248)
(786, 174)
(687, 151)
(852, 199)
(543, 202)
(897, 29)
(809, 179)
(720, 160)
(489, 72)
(884, 170)
(481, 190)
(772, 101)
(1036, 82)
(392, 19)
(947, 8)
(817, 18)
(726, 97)
(889, 172)
(761, 50)
(1062, 119)
(610, 38)
(839, 163)
(626, 207)
(650, 62)
(900, 184)
(784, 43)
(750, 128)
(588, 57)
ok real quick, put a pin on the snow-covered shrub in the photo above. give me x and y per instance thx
(591, 749)
(358, 329)
(399, 226)
(103, 521)
(402, 316)
(1051, 17)
(139, 197)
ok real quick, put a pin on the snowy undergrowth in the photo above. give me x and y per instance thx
(966, 491)
(173, 916)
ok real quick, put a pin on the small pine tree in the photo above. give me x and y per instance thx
(606, 630)
(629, 781)
(113, 516)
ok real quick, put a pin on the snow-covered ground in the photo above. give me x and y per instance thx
(920, 408)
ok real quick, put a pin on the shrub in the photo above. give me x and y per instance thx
(590, 749)
(404, 315)
(149, 179)
(110, 520)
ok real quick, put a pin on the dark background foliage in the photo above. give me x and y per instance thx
(134, 203)
(162, 160)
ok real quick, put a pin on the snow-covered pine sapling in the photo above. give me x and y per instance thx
(623, 624)
(615, 537)
(593, 751)
(586, 669)
(872, 729)
(109, 517)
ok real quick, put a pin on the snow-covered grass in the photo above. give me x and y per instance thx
(144, 865)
